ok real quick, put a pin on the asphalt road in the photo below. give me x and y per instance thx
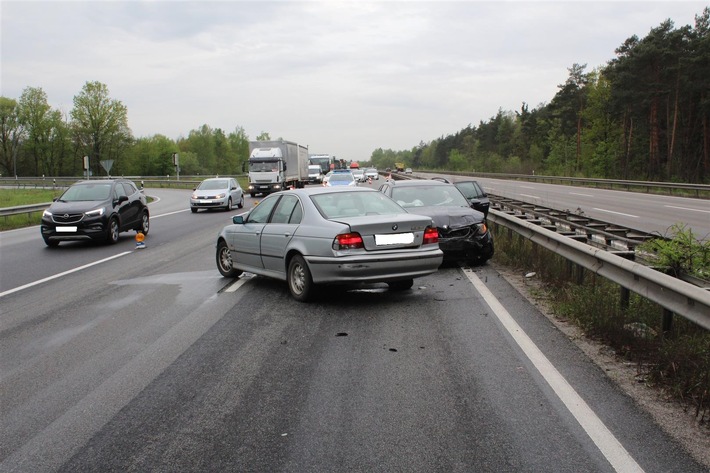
(649, 213)
(119, 359)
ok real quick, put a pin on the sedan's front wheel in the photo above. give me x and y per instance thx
(224, 261)
(300, 282)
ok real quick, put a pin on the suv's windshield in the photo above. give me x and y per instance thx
(85, 192)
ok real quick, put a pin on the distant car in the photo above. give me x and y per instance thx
(475, 195)
(327, 177)
(315, 175)
(95, 210)
(319, 235)
(463, 233)
(372, 173)
(217, 193)
(342, 177)
(359, 175)
(408, 171)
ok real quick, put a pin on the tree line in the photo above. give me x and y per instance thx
(36, 140)
(644, 115)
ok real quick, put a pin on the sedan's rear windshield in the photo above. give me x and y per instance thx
(354, 204)
(85, 192)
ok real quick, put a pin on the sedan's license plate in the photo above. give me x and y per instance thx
(66, 229)
(394, 239)
(205, 201)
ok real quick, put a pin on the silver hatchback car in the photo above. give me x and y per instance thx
(217, 193)
(329, 235)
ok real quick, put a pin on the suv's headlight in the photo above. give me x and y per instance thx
(46, 213)
(95, 213)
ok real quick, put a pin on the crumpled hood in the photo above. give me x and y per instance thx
(449, 217)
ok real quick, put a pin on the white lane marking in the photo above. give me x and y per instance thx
(169, 213)
(531, 196)
(620, 459)
(49, 278)
(583, 195)
(236, 284)
(686, 208)
(617, 213)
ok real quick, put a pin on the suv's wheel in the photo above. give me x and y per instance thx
(300, 282)
(224, 261)
(145, 224)
(51, 243)
(112, 231)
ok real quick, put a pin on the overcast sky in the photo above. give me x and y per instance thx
(342, 77)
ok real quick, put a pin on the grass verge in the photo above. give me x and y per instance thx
(678, 362)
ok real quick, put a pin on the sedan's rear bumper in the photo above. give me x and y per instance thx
(374, 268)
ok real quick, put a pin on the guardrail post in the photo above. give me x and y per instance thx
(667, 323)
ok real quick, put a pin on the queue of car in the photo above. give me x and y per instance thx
(334, 234)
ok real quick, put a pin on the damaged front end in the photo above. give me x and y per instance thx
(469, 242)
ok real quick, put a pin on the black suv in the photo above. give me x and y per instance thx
(463, 233)
(95, 210)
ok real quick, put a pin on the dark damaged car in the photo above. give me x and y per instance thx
(463, 233)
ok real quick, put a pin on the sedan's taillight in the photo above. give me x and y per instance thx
(431, 235)
(348, 241)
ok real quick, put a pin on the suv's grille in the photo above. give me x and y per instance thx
(67, 218)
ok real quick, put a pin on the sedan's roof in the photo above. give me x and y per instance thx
(327, 190)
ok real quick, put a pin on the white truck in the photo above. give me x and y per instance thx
(276, 165)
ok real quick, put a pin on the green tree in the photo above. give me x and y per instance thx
(12, 134)
(46, 134)
(100, 125)
(239, 142)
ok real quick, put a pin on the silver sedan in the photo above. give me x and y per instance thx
(324, 235)
(217, 193)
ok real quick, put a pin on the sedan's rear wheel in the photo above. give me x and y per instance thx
(224, 261)
(401, 285)
(240, 205)
(300, 282)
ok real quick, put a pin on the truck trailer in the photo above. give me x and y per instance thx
(276, 165)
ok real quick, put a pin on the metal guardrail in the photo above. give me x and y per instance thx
(23, 209)
(675, 295)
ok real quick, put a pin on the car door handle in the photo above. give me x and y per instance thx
(287, 234)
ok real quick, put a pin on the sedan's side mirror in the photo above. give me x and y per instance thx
(238, 219)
